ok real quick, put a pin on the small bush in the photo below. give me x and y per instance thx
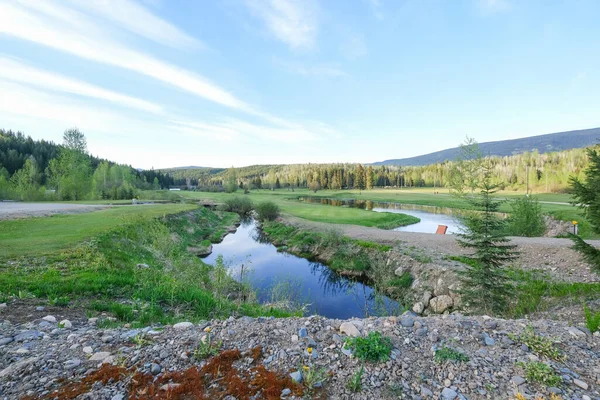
(402, 282)
(373, 348)
(240, 205)
(267, 211)
(592, 319)
(540, 345)
(538, 372)
(448, 354)
(526, 218)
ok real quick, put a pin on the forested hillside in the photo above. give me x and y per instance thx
(543, 144)
(547, 172)
(41, 170)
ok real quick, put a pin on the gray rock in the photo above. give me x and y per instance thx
(101, 355)
(407, 322)
(50, 318)
(580, 383)
(449, 394)
(296, 376)
(349, 329)
(28, 335)
(40, 308)
(441, 303)
(66, 324)
(183, 325)
(491, 324)
(286, 392)
(88, 350)
(426, 392)
(106, 339)
(118, 396)
(74, 363)
(302, 332)
(155, 369)
(5, 341)
(554, 390)
(421, 332)
(418, 307)
(487, 340)
(517, 380)
(576, 332)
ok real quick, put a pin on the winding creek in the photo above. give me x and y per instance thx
(249, 256)
(326, 293)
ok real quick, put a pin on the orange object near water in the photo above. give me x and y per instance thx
(441, 230)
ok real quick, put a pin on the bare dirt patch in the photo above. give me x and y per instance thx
(13, 210)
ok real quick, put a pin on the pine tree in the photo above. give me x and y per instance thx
(359, 180)
(587, 197)
(484, 285)
(369, 178)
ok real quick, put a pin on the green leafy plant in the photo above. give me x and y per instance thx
(374, 347)
(206, 348)
(540, 345)
(313, 378)
(449, 354)
(539, 372)
(355, 382)
(140, 340)
(526, 218)
(238, 204)
(592, 319)
(60, 301)
(267, 211)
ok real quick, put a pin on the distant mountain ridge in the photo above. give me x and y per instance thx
(542, 143)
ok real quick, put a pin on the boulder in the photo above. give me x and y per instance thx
(349, 329)
(441, 303)
(418, 308)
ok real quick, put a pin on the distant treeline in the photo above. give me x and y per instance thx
(41, 170)
(547, 172)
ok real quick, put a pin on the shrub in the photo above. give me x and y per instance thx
(240, 205)
(372, 348)
(538, 372)
(448, 354)
(355, 382)
(267, 211)
(526, 218)
(540, 345)
(592, 319)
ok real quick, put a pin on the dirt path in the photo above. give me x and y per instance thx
(12, 210)
(550, 254)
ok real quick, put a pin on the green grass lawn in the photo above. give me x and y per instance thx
(314, 212)
(37, 236)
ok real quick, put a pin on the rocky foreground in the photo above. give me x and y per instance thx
(275, 358)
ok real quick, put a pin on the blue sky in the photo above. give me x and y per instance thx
(157, 83)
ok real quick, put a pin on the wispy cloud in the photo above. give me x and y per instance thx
(139, 20)
(17, 71)
(377, 8)
(493, 6)
(40, 25)
(354, 46)
(323, 70)
(294, 22)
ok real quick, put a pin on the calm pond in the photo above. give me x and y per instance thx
(430, 216)
(326, 293)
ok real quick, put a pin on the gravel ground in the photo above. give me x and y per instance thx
(43, 355)
(549, 254)
(12, 210)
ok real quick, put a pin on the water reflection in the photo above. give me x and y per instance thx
(272, 272)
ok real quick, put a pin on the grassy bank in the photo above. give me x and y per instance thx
(139, 270)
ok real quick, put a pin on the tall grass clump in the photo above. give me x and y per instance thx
(267, 211)
(526, 218)
(592, 319)
(240, 205)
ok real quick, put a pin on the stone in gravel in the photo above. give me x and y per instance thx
(586, 397)
(286, 392)
(441, 303)
(294, 338)
(74, 363)
(349, 329)
(449, 394)
(576, 332)
(418, 307)
(554, 390)
(407, 322)
(106, 339)
(88, 350)
(22, 350)
(347, 351)
(491, 324)
(99, 356)
(155, 369)
(66, 324)
(517, 380)
(421, 332)
(40, 308)
(426, 392)
(50, 318)
(28, 335)
(580, 383)
(487, 340)
(5, 341)
(3, 305)
(183, 325)
(302, 332)
(13, 368)
(169, 386)
(296, 376)
(92, 321)
(118, 396)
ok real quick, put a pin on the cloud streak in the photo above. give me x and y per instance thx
(16, 71)
(294, 22)
(324, 70)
